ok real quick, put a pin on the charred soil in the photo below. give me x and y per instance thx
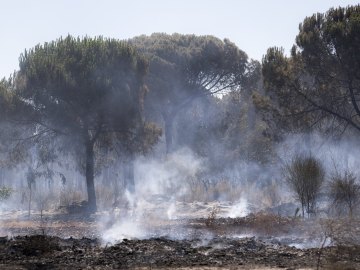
(215, 245)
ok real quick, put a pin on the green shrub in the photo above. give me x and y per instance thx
(5, 193)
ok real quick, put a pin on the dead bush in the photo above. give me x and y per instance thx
(305, 175)
(344, 192)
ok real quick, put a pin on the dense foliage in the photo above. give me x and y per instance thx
(184, 68)
(84, 89)
(320, 83)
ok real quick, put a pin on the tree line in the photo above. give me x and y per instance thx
(97, 97)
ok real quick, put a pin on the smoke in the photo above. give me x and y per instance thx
(160, 183)
(171, 211)
(187, 184)
(239, 209)
(126, 229)
(335, 155)
(166, 176)
(179, 188)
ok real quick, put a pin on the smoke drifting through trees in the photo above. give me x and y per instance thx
(140, 119)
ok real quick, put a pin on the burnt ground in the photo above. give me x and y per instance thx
(257, 241)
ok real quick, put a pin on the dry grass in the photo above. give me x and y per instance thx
(69, 196)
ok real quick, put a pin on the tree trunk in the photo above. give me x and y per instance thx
(303, 209)
(90, 164)
(168, 133)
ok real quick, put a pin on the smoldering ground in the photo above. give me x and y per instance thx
(184, 177)
(175, 207)
(211, 178)
(174, 190)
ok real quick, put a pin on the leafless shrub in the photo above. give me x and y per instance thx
(344, 192)
(305, 175)
(327, 234)
(43, 200)
(210, 220)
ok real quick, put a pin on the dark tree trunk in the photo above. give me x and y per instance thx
(169, 133)
(303, 209)
(90, 164)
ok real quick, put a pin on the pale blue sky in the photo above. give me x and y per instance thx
(254, 25)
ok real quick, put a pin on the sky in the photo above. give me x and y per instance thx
(253, 25)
